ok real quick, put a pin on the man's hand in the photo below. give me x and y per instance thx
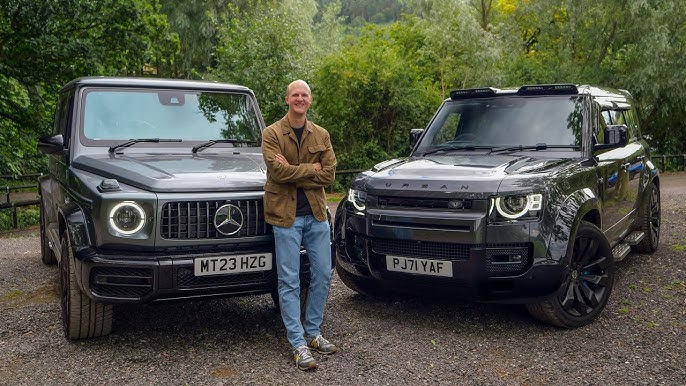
(281, 159)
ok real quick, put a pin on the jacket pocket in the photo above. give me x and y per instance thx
(316, 148)
(275, 188)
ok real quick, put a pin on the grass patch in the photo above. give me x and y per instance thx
(335, 196)
(27, 217)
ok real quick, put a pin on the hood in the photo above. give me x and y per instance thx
(179, 172)
(471, 174)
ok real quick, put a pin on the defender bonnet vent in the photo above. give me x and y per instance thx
(484, 92)
(548, 89)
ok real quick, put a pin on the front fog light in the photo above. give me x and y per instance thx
(127, 218)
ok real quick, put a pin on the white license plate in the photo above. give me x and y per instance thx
(222, 265)
(419, 266)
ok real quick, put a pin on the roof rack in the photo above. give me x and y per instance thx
(548, 89)
(482, 92)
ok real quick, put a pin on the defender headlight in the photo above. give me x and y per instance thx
(358, 198)
(127, 217)
(517, 206)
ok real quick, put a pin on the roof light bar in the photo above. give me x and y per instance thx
(549, 89)
(483, 92)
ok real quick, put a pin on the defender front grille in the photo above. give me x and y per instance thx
(421, 249)
(186, 220)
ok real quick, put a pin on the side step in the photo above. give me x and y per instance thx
(620, 251)
(634, 237)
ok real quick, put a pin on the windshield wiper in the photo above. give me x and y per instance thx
(457, 148)
(215, 141)
(135, 141)
(538, 146)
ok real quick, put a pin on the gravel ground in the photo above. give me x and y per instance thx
(640, 339)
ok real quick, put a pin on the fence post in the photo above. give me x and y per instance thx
(15, 222)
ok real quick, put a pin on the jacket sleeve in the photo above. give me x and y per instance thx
(326, 176)
(279, 172)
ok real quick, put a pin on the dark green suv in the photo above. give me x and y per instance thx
(154, 192)
(526, 195)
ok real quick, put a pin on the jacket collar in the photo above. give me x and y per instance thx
(286, 129)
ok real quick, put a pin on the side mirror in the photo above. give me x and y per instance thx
(51, 144)
(615, 136)
(415, 134)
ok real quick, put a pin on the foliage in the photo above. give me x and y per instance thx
(370, 97)
(44, 44)
(265, 47)
(371, 83)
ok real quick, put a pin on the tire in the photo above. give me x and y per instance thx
(81, 316)
(587, 285)
(361, 285)
(649, 222)
(46, 253)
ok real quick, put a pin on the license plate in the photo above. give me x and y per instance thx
(419, 266)
(222, 265)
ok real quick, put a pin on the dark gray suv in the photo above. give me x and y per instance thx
(526, 195)
(154, 192)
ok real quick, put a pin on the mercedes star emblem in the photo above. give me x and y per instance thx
(228, 219)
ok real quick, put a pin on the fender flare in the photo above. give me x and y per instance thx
(572, 210)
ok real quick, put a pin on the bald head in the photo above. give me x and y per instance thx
(296, 83)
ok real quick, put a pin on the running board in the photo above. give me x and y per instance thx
(634, 238)
(620, 251)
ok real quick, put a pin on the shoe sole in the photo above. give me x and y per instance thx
(322, 352)
(312, 367)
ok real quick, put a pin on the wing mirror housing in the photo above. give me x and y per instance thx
(415, 134)
(51, 144)
(615, 136)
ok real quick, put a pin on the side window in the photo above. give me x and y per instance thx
(632, 124)
(63, 116)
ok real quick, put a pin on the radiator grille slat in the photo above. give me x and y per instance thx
(185, 220)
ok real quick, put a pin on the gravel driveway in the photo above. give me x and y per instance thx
(640, 339)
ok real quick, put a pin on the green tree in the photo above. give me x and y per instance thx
(44, 44)
(268, 45)
(369, 96)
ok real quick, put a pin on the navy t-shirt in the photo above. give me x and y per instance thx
(302, 207)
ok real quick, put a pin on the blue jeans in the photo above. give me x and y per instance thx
(314, 236)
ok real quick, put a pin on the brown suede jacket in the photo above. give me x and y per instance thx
(283, 180)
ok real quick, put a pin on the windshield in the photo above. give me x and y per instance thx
(120, 115)
(506, 121)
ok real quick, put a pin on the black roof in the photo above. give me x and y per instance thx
(111, 81)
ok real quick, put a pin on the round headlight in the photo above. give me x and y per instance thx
(127, 218)
(512, 206)
(358, 198)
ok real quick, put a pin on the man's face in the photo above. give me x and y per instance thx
(298, 98)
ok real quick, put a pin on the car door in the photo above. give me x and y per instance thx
(621, 171)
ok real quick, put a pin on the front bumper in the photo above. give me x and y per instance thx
(126, 277)
(507, 263)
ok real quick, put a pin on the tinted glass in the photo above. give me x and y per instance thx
(193, 116)
(507, 121)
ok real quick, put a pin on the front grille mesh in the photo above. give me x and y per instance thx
(421, 249)
(186, 220)
(121, 282)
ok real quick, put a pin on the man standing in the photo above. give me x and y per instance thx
(300, 164)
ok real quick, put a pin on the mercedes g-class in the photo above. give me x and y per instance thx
(154, 192)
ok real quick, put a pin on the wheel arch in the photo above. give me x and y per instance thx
(581, 205)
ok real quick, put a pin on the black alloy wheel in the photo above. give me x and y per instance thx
(587, 285)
